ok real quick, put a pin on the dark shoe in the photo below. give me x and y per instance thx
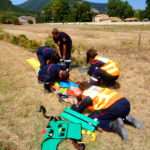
(134, 122)
(47, 88)
(118, 127)
(40, 82)
(77, 145)
(47, 91)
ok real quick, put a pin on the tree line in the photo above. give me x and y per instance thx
(67, 11)
(124, 10)
(78, 11)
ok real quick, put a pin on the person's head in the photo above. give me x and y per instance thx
(55, 33)
(55, 58)
(63, 75)
(91, 53)
(84, 85)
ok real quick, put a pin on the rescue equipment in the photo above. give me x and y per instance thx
(73, 116)
(34, 63)
(59, 130)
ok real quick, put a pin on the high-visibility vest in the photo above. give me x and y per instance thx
(102, 98)
(109, 66)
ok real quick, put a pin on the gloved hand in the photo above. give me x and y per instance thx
(62, 61)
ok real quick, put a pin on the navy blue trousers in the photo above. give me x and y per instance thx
(68, 55)
(120, 109)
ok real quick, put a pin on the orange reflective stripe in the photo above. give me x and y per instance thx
(111, 68)
(102, 99)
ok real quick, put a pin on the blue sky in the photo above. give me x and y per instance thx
(137, 4)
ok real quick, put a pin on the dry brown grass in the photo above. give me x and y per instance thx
(21, 95)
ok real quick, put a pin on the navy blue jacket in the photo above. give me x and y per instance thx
(44, 53)
(94, 65)
(50, 72)
(63, 39)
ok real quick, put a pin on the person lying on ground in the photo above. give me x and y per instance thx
(109, 107)
(102, 70)
(63, 44)
(51, 73)
(47, 55)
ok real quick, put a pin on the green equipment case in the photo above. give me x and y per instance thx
(75, 117)
(59, 130)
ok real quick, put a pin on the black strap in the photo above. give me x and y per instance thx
(43, 109)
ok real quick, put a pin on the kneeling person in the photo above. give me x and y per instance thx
(46, 54)
(108, 107)
(52, 73)
(102, 69)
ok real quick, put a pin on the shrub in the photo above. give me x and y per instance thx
(5, 36)
(22, 40)
(49, 42)
(30, 21)
(14, 40)
(15, 21)
(34, 45)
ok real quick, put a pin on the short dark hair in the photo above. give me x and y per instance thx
(91, 53)
(55, 58)
(55, 31)
(84, 85)
(64, 75)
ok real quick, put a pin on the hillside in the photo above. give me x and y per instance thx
(7, 6)
(37, 5)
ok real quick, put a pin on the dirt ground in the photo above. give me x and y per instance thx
(21, 96)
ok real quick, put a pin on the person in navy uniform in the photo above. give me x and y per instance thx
(64, 45)
(46, 54)
(102, 69)
(51, 73)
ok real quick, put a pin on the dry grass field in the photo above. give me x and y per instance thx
(21, 96)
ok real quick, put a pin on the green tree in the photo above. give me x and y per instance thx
(81, 11)
(148, 9)
(63, 11)
(57, 10)
(9, 18)
(120, 9)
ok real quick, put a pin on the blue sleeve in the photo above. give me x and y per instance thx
(40, 58)
(94, 66)
(62, 67)
(91, 70)
(87, 101)
(97, 75)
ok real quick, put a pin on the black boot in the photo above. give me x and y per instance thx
(134, 122)
(47, 88)
(118, 127)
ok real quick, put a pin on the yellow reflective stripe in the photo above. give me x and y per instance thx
(106, 97)
(112, 70)
(103, 59)
(92, 91)
(90, 94)
(108, 66)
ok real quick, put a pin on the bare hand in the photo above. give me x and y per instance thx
(71, 101)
